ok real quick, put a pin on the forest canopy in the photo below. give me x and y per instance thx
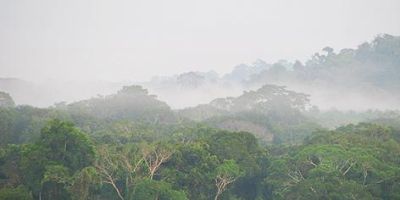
(270, 141)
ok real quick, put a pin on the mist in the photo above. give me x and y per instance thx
(183, 99)
(359, 79)
(192, 53)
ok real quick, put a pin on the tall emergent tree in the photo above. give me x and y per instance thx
(49, 164)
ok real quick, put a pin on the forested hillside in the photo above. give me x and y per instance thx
(272, 113)
(367, 75)
(270, 141)
(265, 144)
(199, 100)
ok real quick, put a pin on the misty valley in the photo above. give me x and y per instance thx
(328, 128)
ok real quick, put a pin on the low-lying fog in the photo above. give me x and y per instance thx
(352, 79)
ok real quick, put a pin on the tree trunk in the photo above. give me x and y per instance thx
(217, 195)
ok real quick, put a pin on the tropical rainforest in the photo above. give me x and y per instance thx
(272, 140)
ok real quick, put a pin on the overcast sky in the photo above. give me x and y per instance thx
(137, 39)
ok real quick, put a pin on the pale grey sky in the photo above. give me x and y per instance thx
(136, 39)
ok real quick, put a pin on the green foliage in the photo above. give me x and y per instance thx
(23, 124)
(48, 164)
(372, 65)
(132, 103)
(84, 184)
(151, 189)
(191, 168)
(228, 169)
(354, 161)
(67, 145)
(7, 125)
(56, 174)
(239, 146)
(18, 193)
(272, 113)
(128, 151)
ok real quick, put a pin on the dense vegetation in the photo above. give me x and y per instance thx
(267, 143)
(132, 146)
(371, 65)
